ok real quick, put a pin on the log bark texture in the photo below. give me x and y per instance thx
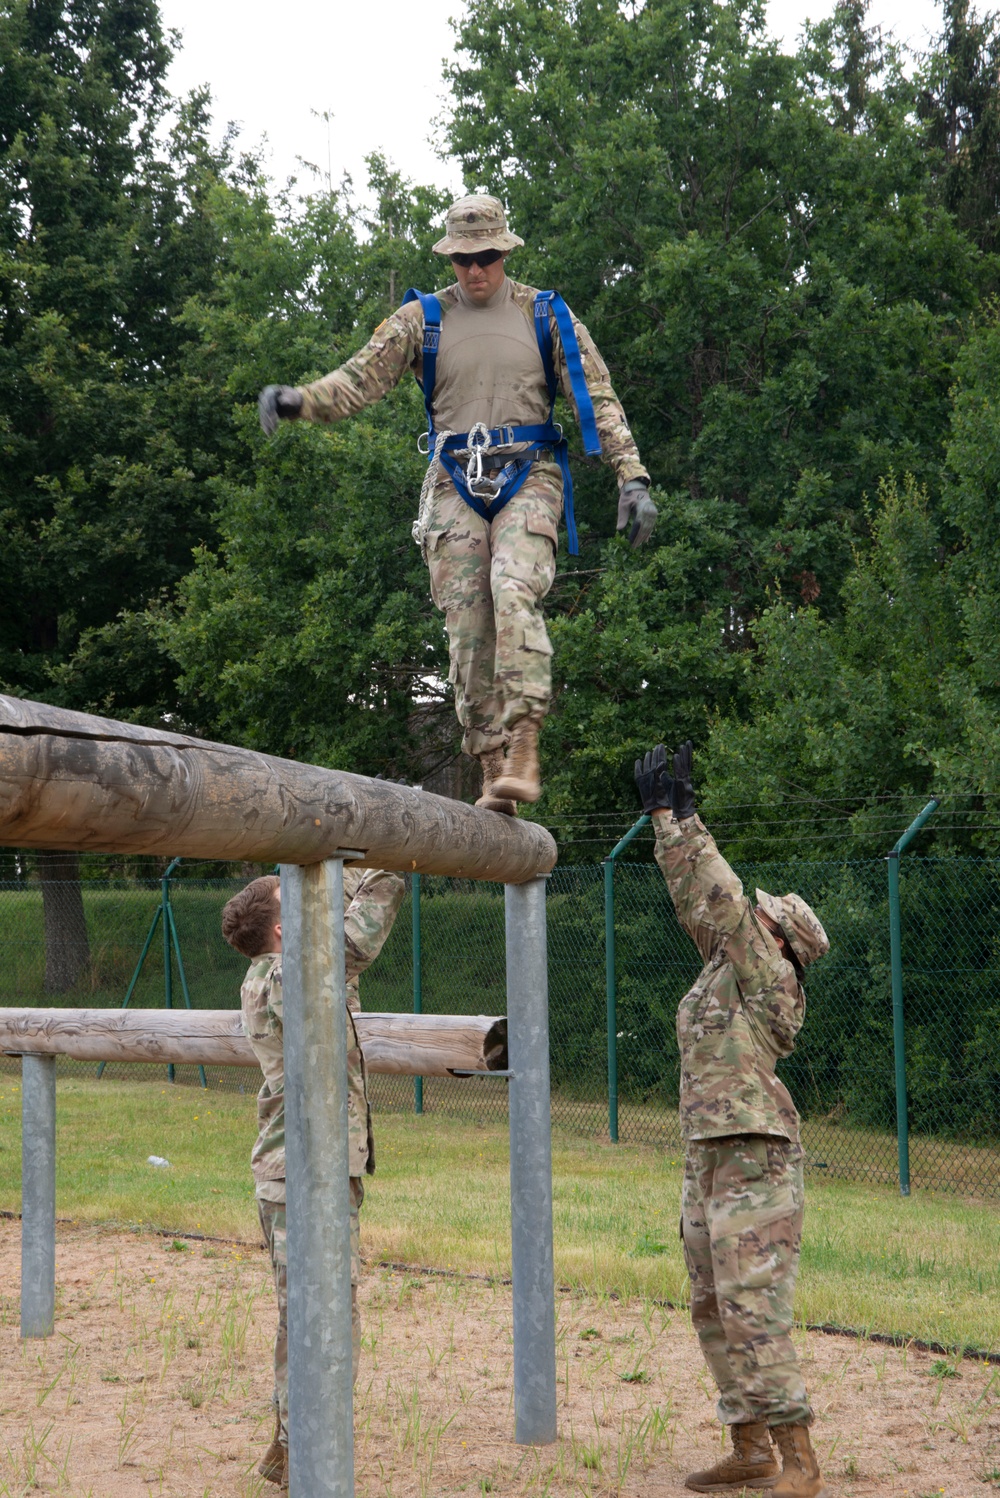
(70, 780)
(412, 1045)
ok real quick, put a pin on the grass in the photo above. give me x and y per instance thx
(924, 1267)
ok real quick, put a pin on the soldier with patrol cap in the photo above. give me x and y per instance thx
(742, 1200)
(491, 355)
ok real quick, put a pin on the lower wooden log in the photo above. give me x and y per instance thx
(409, 1045)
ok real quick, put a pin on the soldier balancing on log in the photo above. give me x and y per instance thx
(251, 922)
(742, 1203)
(491, 356)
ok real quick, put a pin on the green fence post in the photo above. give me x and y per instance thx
(609, 973)
(898, 1016)
(418, 994)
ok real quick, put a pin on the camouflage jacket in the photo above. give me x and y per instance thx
(747, 1006)
(369, 914)
(396, 346)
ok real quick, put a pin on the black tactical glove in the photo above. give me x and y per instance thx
(682, 796)
(278, 403)
(652, 779)
(635, 504)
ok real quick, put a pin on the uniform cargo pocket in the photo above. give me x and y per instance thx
(536, 637)
(539, 523)
(774, 1351)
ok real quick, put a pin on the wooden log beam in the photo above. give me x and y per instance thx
(70, 780)
(409, 1045)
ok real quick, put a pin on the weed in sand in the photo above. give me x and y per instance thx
(127, 1433)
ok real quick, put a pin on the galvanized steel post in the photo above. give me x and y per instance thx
(320, 1393)
(898, 1013)
(610, 975)
(533, 1270)
(418, 991)
(38, 1195)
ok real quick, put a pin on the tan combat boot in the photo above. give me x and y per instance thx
(493, 764)
(752, 1464)
(800, 1477)
(273, 1465)
(520, 779)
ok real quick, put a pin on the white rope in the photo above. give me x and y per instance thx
(423, 520)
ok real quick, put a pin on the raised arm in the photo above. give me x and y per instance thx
(769, 986)
(369, 918)
(654, 783)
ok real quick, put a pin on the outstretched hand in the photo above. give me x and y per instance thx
(682, 798)
(653, 781)
(635, 505)
(277, 403)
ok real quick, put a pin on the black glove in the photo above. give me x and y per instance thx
(635, 504)
(278, 403)
(652, 779)
(682, 796)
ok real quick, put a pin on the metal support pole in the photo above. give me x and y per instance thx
(320, 1394)
(898, 1012)
(611, 981)
(533, 1270)
(168, 986)
(418, 991)
(38, 1195)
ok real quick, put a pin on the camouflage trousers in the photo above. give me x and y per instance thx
(272, 1221)
(741, 1225)
(489, 579)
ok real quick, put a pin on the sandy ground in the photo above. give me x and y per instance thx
(157, 1381)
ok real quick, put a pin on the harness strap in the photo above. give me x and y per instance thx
(432, 337)
(544, 301)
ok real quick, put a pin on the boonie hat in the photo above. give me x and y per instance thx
(801, 925)
(477, 222)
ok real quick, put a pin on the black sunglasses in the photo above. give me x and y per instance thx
(482, 258)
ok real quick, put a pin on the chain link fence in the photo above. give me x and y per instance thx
(841, 1075)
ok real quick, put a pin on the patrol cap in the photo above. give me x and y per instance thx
(800, 923)
(477, 222)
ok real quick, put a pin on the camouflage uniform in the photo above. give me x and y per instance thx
(742, 1201)
(372, 899)
(488, 578)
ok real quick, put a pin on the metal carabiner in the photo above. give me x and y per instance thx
(424, 452)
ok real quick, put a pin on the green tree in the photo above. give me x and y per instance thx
(104, 235)
(960, 104)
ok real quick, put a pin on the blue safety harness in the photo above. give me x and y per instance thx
(501, 488)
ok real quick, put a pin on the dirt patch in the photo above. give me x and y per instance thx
(158, 1382)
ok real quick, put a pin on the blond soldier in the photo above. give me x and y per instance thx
(251, 922)
(742, 1202)
(491, 355)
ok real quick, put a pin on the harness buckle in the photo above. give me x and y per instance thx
(424, 437)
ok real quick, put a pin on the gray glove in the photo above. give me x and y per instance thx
(278, 403)
(635, 504)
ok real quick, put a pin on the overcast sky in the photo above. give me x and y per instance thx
(376, 68)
